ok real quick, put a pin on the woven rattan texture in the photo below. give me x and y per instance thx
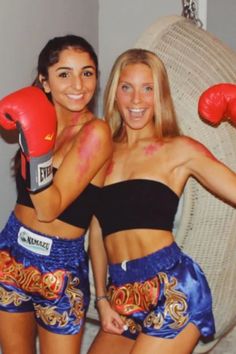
(195, 60)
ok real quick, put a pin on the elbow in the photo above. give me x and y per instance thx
(47, 212)
(46, 216)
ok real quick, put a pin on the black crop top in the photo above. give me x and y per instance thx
(136, 204)
(78, 213)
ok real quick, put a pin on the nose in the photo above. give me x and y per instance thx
(136, 97)
(77, 83)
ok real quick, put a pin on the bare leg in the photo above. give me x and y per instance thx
(184, 343)
(106, 343)
(17, 333)
(59, 343)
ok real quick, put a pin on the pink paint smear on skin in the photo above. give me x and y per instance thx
(110, 168)
(68, 135)
(76, 117)
(152, 148)
(88, 148)
(201, 148)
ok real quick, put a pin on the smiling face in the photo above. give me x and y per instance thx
(71, 81)
(135, 96)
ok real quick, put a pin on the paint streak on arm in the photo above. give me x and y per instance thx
(88, 147)
(210, 172)
(83, 164)
(87, 157)
(200, 148)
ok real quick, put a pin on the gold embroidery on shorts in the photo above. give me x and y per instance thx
(175, 306)
(132, 325)
(139, 296)
(50, 316)
(30, 279)
(76, 298)
(48, 285)
(11, 297)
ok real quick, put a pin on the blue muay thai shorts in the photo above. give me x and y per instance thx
(160, 294)
(47, 275)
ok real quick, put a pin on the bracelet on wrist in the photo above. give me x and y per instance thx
(99, 298)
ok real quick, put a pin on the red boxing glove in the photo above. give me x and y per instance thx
(33, 115)
(218, 103)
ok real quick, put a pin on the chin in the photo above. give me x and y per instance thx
(77, 107)
(137, 125)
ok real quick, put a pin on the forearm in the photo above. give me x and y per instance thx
(47, 203)
(110, 319)
(98, 257)
(99, 266)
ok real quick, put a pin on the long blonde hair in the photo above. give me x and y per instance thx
(165, 116)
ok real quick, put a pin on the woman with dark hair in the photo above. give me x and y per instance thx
(64, 150)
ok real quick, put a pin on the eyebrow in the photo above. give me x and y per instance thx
(69, 68)
(129, 83)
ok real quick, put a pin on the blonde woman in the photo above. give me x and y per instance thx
(157, 299)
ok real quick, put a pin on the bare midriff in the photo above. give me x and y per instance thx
(27, 217)
(136, 243)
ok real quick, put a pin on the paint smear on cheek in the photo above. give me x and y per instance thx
(88, 148)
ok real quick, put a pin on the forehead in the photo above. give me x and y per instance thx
(136, 72)
(72, 56)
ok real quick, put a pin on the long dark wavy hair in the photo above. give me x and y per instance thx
(51, 52)
(49, 56)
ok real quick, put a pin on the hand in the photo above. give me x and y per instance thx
(30, 112)
(218, 103)
(110, 319)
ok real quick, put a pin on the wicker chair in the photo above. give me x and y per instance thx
(205, 226)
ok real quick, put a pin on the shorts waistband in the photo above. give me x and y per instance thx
(146, 267)
(60, 248)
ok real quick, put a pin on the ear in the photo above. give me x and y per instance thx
(45, 84)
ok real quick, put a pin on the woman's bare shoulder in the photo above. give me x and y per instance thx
(97, 126)
(185, 141)
(95, 136)
(189, 147)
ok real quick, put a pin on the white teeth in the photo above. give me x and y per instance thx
(75, 97)
(137, 110)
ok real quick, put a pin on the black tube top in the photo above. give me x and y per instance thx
(78, 213)
(136, 204)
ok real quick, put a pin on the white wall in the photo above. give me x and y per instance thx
(122, 22)
(221, 20)
(25, 26)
